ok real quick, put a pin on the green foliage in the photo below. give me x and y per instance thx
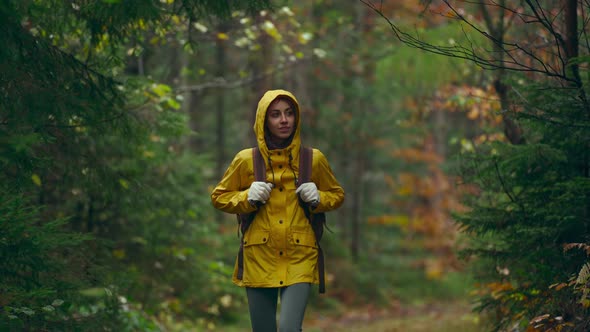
(533, 200)
(102, 223)
(116, 19)
(43, 267)
(407, 72)
(395, 269)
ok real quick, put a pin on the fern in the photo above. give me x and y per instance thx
(582, 246)
(584, 275)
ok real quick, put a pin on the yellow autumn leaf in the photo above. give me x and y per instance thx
(466, 145)
(404, 190)
(433, 269)
(36, 180)
(173, 103)
(93, 292)
(304, 37)
(287, 49)
(161, 89)
(272, 31)
(400, 220)
(473, 113)
(119, 253)
(226, 301)
(124, 183)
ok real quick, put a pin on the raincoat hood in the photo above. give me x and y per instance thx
(259, 123)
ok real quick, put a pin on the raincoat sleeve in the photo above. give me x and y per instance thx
(231, 194)
(331, 193)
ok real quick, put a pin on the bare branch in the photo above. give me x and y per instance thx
(540, 14)
(510, 49)
(223, 83)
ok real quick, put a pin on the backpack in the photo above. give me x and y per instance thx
(317, 220)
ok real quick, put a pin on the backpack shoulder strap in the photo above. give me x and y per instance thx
(317, 220)
(305, 164)
(244, 220)
(259, 167)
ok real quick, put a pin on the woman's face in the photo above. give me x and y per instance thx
(280, 119)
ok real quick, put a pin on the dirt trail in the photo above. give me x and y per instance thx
(439, 317)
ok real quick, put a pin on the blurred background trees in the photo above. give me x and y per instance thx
(117, 117)
(527, 218)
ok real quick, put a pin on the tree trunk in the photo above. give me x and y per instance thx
(572, 51)
(571, 41)
(220, 102)
(497, 30)
(366, 69)
(259, 63)
(190, 106)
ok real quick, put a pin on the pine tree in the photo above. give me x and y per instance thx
(534, 200)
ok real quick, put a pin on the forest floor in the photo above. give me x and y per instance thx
(425, 317)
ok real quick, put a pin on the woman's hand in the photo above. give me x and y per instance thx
(259, 192)
(309, 193)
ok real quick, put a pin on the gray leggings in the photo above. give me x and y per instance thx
(262, 303)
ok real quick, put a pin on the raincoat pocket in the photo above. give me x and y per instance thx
(259, 264)
(303, 257)
(253, 238)
(304, 239)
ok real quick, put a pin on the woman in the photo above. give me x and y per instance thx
(280, 253)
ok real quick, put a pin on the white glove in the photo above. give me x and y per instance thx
(259, 192)
(309, 193)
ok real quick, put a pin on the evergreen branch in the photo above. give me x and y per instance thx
(546, 119)
(86, 73)
(555, 122)
(583, 275)
(504, 186)
(73, 68)
(118, 116)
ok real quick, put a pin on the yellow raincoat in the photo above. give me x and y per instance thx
(280, 246)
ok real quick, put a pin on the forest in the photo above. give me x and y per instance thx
(459, 130)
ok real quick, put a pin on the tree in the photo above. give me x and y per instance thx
(92, 172)
(533, 193)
